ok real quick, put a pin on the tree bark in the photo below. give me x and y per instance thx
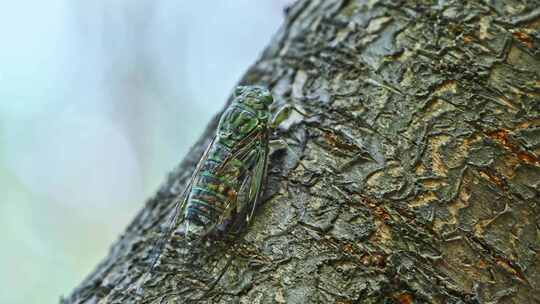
(415, 180)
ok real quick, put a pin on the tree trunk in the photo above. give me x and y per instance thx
(416, 178)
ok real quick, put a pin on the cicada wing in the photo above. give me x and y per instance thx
(241, 208)
(180, 204)
(258, 181)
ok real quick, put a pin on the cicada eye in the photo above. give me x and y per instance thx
(263, 96)
(267, 99)
(239, 90)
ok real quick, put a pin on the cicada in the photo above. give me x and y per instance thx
(227, 184)
(228, 181)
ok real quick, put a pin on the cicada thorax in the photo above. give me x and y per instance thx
(232, 155)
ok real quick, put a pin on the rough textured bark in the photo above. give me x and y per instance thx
(418, 179)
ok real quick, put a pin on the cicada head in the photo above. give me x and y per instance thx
(256, 97)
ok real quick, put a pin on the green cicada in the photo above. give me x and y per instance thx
(228, 181)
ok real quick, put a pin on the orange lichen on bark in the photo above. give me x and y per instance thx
(383, 233)
(379, 212)
(502, 136)
(492, 178)
(528, 158)
(467, 39)
(524, 38)
(335, 141)
(481, 264)
(348, 248)
(404, 298)
(376, 259)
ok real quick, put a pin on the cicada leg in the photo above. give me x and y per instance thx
(283, 113)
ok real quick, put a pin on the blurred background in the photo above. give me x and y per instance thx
(98, 101)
